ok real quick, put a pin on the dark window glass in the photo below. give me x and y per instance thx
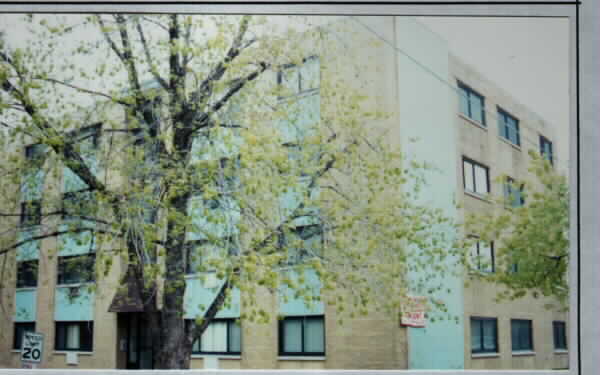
(471, 104)
(76, 269)
(74, 336)
(508, 127)
(513, 195)
(27, 274)
(20, 329)
(546, 149)
(302, 335)
(521, 334)
(484, 335)
(31, 213)
(78, 204)
(560, 335)
(222, 336)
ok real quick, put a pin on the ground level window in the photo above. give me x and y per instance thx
(222, 336)
(20, 329)
(302, 335)
(74, 336)
(484, 335)
(560, 335)
(521, 335)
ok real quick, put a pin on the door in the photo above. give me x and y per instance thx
(139, 344)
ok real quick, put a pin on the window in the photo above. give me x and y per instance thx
(222, 336)
(546, 149)
(521, 335)
(471, 103)
(20, 329)
(297, 79)
(77, 203)
(31, 213)
(74, 336)
(482, 255)
(475, 177)
(484, 335)
(508, 126)
(27, 274)
(76, 269)
(303, 335)
(199, 252)
(560, 335)
(513, 196)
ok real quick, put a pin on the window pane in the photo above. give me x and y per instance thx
(20, 329)
(72, 336)
(475, 255)
(289, 80)
(489, 335)
(486, 259)
(292, 336)
(86, 336)
(468, 174)
(235, 337)
(476, 108)
(463, 101)
(214, 339)
(309, 74)
(313, 335)
(476, 335)
(481, 184)
(27, 274)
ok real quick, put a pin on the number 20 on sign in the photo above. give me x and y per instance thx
(32, 348)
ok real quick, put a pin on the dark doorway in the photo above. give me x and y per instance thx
(139, 342)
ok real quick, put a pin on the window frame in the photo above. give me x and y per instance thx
(230, 322)
(492, 255)
(471, 92)
(544, 140)
(473, 164)
(299, 90)
(512, 339)
(556, 324)
(19, 281)
(83, 327)
(503, 116)
(496, 341)
(29, 219)
(60, 273)
(19, 340)
(508, 192)
(303, 352)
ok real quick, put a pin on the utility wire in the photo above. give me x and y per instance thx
(492, 115)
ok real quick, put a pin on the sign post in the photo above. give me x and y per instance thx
(32, 349)
(413, 312)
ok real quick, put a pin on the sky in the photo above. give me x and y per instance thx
(527, 57)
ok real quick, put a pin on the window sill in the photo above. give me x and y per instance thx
(219, 356)
(301, 358)
(75, 285)
(65, 352)
(524, 353)
(485, 355)
(477, 196)
(516, 147)
(473, 122)
(26, 289)
(561, 351)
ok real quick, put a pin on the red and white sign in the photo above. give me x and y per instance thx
(413, 312)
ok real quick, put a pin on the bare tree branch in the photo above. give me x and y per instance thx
(149, 59)
(108, 39)
(87, 91)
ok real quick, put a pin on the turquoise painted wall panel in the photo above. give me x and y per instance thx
(426, 113)
(29, 250)
(80, 308)
(25, 305)
(296, 306)
(76, 243)
(198, 297)
(222, 143)
(221, 221)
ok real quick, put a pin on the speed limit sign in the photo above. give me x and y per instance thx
(32, 348)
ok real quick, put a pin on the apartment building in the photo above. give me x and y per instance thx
(445, 105)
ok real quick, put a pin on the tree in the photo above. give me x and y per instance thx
(529, 228)
(195, 158)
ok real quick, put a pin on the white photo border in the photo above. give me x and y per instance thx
(584, 179)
